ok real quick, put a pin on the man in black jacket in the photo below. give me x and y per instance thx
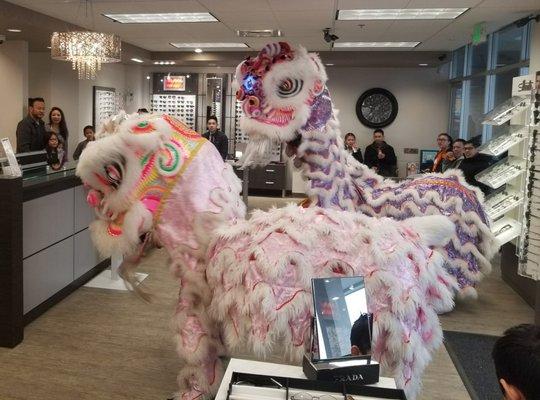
(474, 163)
(218, 138)
(31, 130)
(380, 155)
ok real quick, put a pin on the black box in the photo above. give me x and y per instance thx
(357, 370)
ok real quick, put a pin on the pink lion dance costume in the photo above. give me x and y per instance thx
(285, 99)
(245, 284)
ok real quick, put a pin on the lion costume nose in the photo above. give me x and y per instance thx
(93, 198)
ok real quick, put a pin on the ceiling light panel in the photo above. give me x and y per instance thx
(350, 45)
(191, 46)
(161, 18)
(400, 13)
(259, 33)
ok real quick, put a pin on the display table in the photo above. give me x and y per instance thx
(284, 370)
(45, 246)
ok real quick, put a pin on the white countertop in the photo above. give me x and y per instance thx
(284, 370)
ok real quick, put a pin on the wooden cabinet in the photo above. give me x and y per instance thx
(270, 177)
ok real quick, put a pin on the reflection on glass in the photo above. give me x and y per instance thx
(458, 62)
(508, 44)
(476, 107)
(478, 61)
(455, 117)
(342, 323)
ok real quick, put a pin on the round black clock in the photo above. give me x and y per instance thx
(376, 108)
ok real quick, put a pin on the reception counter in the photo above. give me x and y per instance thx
(45, 247)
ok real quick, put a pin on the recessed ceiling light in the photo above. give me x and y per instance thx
(345, 45)
(137, 60)
(49, 47)
(329, 64)
(198, 50)
(423, 64)
(400, 13)
(191, 46)
(14, 30)
(148, 77)
(259, 33)
(161, 18)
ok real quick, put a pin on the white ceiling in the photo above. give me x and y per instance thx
(301, 21)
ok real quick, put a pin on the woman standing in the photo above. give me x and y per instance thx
(444, 141)
(57, 124)
(352, 148)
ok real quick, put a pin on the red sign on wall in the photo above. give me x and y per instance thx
(175, 83)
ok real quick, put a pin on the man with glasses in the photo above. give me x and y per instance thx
(454, 158)
(31, 130)
(218, 138)
(474, 163)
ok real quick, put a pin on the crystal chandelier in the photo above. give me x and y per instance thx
(86, 50)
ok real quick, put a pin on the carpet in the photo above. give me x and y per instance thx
(471, 354)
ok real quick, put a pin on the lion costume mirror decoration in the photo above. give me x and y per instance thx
(245, 283)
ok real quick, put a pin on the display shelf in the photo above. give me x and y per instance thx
(106, 104)
(502, 202)
(505, 230)
(507, 110)
(181, 106)
(502, 143)
(501, 172)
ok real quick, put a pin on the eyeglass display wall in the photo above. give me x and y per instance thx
(515, 207)
(181, 103)
(181, 106)
(106, 103)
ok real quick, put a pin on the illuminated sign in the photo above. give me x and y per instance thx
(174, 83)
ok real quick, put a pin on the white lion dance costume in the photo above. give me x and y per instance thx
(285, 99)
(245, 284)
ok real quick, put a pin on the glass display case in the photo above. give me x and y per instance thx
(507, 110)
(506, 229)
(502, 172)
(501, 143)
(502, 202)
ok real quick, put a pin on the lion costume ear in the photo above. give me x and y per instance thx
(434, 230)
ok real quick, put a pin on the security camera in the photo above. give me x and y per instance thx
(2, 39)
(329, 37)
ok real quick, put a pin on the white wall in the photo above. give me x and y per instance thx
(13, 87)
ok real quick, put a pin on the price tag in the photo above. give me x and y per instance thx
(13, 169)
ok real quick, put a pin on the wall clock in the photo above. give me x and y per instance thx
(376, 108)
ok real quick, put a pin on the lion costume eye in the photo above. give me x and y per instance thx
(290, 87)
(113, 172)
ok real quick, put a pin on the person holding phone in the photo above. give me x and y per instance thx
(380, 156)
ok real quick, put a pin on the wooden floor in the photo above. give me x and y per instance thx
(109, 345)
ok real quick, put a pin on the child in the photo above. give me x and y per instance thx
(89, 135)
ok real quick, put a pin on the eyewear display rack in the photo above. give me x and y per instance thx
(181, 106)
(105, 105)
(515, 206)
